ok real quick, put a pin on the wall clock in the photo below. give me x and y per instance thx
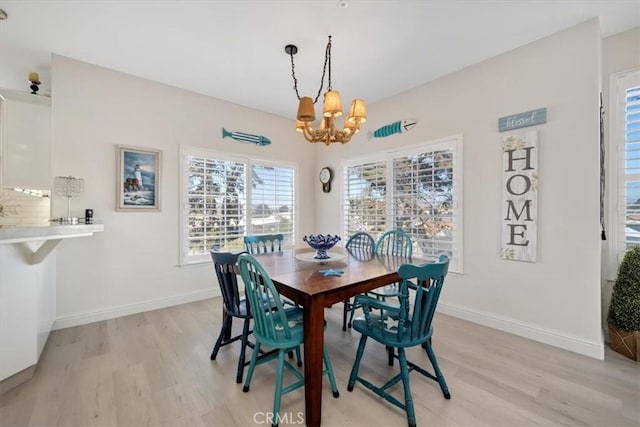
(325, 178)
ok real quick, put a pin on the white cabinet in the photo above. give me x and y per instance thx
(25, 121)
(28, 292)
(19, 309)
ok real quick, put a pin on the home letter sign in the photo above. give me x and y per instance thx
(519, 196)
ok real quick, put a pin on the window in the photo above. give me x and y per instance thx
(626, 145)
(423, 197)
(272, 201)
(365, 203)
(215, 212)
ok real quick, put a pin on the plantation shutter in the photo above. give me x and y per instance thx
(365, 191)
(425, 200)
(214, 205)
(273, 201)
(629, 167)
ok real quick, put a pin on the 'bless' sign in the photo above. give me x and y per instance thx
(519, 196)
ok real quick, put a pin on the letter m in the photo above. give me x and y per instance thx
(511, 208)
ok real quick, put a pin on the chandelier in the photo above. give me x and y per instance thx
(326, 131)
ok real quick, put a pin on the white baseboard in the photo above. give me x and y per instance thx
(125, 310)
(533, 332)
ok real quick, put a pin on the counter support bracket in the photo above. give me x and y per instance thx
(36, 257)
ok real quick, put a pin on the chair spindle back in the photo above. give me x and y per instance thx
(224, 264)
(429, 279)
(394, 242)
(269, 318)
(263, 243)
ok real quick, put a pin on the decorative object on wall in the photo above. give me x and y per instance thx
(34, 79)
(326, 175)
(519, 196)
(397, 127)
(521, 120)
(332, 109)
(246, 137)
(138, 179)
(68, 186)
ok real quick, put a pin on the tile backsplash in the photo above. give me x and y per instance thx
(24, 207)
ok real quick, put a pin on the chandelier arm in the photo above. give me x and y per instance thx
(308, 134)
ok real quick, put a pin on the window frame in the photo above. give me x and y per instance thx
(454, 142)
(248, 162)
(618, 83)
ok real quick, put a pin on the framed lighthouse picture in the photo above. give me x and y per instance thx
(139, 173)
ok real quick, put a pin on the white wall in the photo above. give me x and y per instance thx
(132, 266)
(557, 299)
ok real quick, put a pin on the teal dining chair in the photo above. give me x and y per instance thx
(396, 243)
(403, 326)
(281, 330)
(361, 246)
(263, 243)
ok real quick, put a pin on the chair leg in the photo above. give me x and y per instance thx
(408, 399)
(252, 366)
(227, 330)
(243, 348)
(438, 372)
(332, 378)
(345, 312)
(390, 352)
(353, 312)
(356, 363)
(278, 395)
(298, 356)
(226, 326)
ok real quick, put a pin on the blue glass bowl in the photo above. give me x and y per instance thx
(321, 243)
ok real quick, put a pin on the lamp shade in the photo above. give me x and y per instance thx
(332, 104)
(305, 110)
(358, 110)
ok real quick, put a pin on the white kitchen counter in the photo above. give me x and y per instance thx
(28, 293)
(16, 234)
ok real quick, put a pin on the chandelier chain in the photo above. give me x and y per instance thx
(327, 60)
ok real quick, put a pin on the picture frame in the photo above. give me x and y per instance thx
(139, 173)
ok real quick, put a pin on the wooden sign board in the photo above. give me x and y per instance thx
(519, 196)
(521, 120)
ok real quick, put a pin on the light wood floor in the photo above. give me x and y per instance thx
(154, 369)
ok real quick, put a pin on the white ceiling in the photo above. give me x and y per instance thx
(234, 50)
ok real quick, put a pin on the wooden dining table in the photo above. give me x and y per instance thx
(301, 281)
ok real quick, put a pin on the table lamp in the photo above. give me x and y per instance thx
(68, 186)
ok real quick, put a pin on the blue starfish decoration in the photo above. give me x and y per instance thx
(331, 272)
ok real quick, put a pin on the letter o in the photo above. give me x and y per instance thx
(527, 187)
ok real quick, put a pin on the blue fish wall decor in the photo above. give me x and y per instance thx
(397, 127)
(246, 137)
